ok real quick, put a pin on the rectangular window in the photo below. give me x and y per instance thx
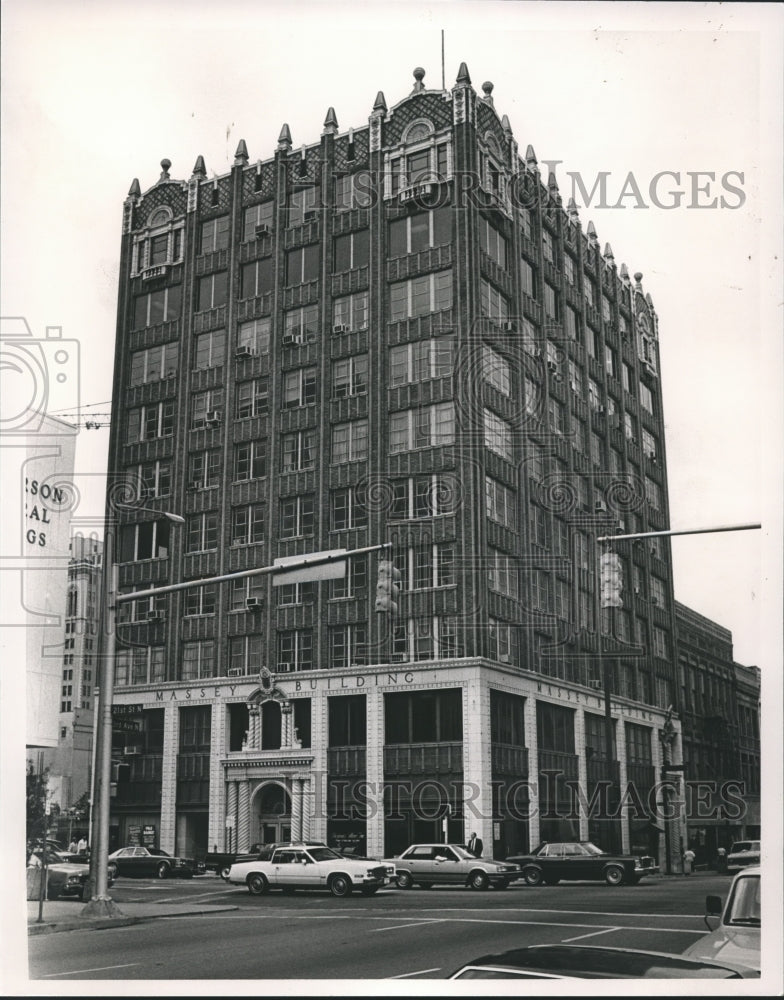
(422, 496)
(610, 361)
(646, 397)
(157, 307)
(204, 469)
(527, 279)
(304, 205)
(155, 478)
(351, 251)
(210, 349)
(500, 503)
(420, 231)
(254, 336)
(248, 524)
(496, 370)
(299, 451)
(353, 191)
(498, 435)
(568, 266)
(149, 422)
(502, 574)
(420, 360)
(570, 323)
(245, 653)
(201, 600)
(347, 510)
(652, 493)
(349, 441)
(630, 427)
(245, 589)
(555, 416)
(648, 444)
(213, 290)
(202, 533)
(492, 242)
(295, 650)
(354, 583)
(198, 661)
(252, 398)
(258, 220)
(297, 516)
(154, 363)
(257, 278)
(250, 461)
(302, 265)
(300, 325)
(206, 407)
(550, 302)
(538, 524)
(492, 303)
(419, 296)
(299, 387)
(427, 427)
(214, 234)
(350, 313)
(347, 646)
(350, 376)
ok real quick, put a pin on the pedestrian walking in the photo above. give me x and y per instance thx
(688, 861)
(82, 846)
(475, 845)
(72, 847)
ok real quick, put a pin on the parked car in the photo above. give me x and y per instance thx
(450, 864)
(311, 866)
(736, 938)
(578, 860)
(63, 877)
(744, 854)
(152, 861)
(221, 863)
(558, 961)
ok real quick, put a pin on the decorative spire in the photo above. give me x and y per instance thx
(551, 181)
(241, 156)
(505, 124)
(199, 168)
(609, 256)
(134, 190)
(165, 164)
(648, 299)
(571, 208)
(624, 273)
(530, 158)
(487, 87)
(419, 75)
(330, 123)
(380, 102)
(284, 139)
(638, 280)
(462, 74)
(592, 237)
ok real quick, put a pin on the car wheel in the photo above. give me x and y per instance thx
(224, 872)
(163, 870)
(370, 890)
(404, 880)
(340, 885)
(478, 880)
(112, 871)
(552, 881)
(257, 885)
(533, 876)
(614, 875)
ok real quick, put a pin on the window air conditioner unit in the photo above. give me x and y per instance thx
(596, 685)
(284, 668)
(213, 417)
(253, 603)
(508, 326)
(291, 338)
(243, 351)
(503, 657)
(194, 485)
(132, 751)
(311, 215)
(234, 672)
(599, 508)
(340, 328)
(262, 229)
(155, 616)
(199, 422)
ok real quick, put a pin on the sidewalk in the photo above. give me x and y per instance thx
(66, 914)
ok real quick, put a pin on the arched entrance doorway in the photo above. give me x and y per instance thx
(273, 814)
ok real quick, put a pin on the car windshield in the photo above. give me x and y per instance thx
(744, 905)
(323, 854)
(158, 852)
(745, 845)
(462, 853)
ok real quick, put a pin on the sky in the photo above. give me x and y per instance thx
(95, 94)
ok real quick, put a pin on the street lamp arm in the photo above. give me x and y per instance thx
(689, 531)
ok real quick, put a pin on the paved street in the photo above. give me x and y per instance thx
(396, 934)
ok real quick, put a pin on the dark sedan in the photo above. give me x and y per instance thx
(152, 861)
(587, 962)
(579, 860)
(63, 876)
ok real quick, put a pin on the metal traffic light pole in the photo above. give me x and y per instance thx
(288, 569)
(610, 586)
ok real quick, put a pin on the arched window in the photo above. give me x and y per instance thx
(270, 726)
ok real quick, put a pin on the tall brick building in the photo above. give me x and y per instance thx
(398, 333)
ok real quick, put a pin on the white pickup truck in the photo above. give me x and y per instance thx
(311, 866)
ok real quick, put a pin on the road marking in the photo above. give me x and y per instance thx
(79, 972)
(186, 899)
(402, 927)
(607, 930)
(584, 913)
(421, 972)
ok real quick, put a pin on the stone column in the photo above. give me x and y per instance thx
(620, 750)
(231, 812)
(171, 736)
(532, 739)
(374, 771)
(243, 816)
(582, 767)
(286, 732)
(296, 808)
(307, 806)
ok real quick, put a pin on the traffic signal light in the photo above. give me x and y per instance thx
(387, 588)
(611, 580)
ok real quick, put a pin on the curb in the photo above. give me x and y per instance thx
(101, 923)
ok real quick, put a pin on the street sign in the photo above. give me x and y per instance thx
(127, 709)
(333, 570)
(126, 726)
